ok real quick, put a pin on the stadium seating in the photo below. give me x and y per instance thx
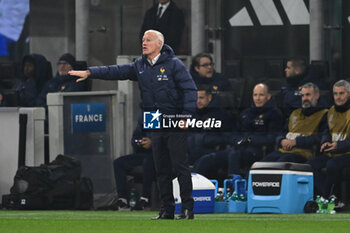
(274, 68)
(232, 69)
(239, 88)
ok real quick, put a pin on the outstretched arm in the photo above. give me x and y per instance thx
(82, 74)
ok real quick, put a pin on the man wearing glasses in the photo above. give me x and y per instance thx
(202, 71)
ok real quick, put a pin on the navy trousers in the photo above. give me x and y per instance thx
(277, 156)
(169, 154)
(239, 158)
(208, 164)
(125, 164)
(325, 181)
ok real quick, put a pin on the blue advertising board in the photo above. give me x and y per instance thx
(87, 118)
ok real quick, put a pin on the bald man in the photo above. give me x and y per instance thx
(167, 88)
(257, 127)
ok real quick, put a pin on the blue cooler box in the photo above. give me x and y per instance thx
(279, 187)
(203, 194)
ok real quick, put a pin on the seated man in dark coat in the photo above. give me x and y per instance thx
(142, 155)
(206, 140)
(203, 73)
(35, 73)
(62, 82)
(259, 126)
(303, 130)
(297, 74)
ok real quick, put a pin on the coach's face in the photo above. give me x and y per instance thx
(151, 45)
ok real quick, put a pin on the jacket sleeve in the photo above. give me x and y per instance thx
(273, 129)
(282, 134)
(343, 146)
(114, 72)
(326, 135)
(187, 87)
(308, 141)
(290, 100)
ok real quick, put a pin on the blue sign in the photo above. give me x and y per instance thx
(151, 120)
(88, 118)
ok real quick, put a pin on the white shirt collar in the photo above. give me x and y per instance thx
(165, 6)
(154, 60)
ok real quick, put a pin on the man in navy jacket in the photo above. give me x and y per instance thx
(62, 82)
(258, 127)
(203, 73)
(297, 74)
(206, 140)
(35, 72)
(165, 85)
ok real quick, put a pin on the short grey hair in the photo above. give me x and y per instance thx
(314, 86)
(342, 83)
(159, 35)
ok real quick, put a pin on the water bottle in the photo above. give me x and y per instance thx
(331, 206)
(101, 144)
(228, 196)
(235, 196)
(221, 194)
(217, 197)
(319, 203)
(242, 197)
(133, 198)
(324, 209)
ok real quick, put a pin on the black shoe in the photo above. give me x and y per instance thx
(164, 215)
(121, 205)
(141, 204)
(186, 214)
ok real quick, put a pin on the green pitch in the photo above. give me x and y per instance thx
(114, 221)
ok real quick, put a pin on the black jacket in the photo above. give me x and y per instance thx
(29, 88)
(171, 24)
(291, 91)
(204, 141)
